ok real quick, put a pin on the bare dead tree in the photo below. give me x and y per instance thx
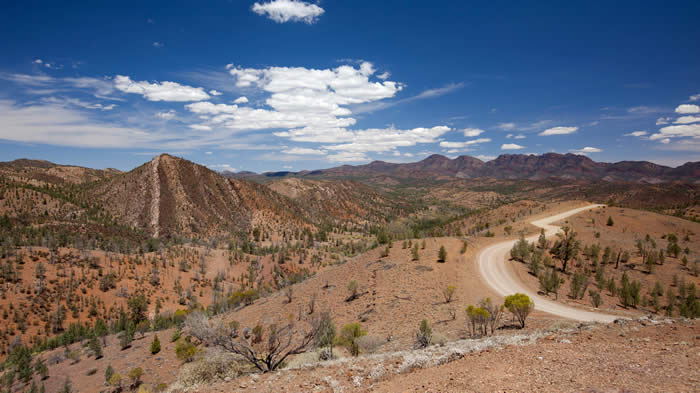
(277, 344)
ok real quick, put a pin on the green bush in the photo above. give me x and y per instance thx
(349, 335)
(519, 305)
(155, 345)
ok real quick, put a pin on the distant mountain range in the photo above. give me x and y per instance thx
(507, 166)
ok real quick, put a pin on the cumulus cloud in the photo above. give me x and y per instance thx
(506, 126)
(163, 91)
(200, 127)
(348, 157)
(637, 133)
(483, 157)
(303, 151)
(587, 150)
(511, 146)
(558, 131)
(312, 105)
(169, 115)
(662, 121)
(687, 120)
(461, 145)
(222, 167)
(380, 140)
(215, 92)
(695, 97)
(687, 109)
(472, 132)
(241, 100)
(282, 11)
(686, 130)
(157, 44)
(519, 136)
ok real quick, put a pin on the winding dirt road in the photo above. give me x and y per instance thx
(493, 267)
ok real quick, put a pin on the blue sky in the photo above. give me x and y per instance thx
(291, 85)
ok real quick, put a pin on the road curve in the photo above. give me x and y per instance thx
(492, 262)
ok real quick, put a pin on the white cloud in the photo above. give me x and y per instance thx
(384, 75)
(687, 109)
(519, 136)
(200, 127)
(54, 124)
(163, 91)
(662, 120)
(637, 133)
(587, 150)
(169, 115)
(377, 140)
(511, 146)
(425, 94)
(506, 126)
(215, 93)
(241, 100)
(686, 130)
(508, 136)
(157, 44)
(348, 157)
(208, 153)
(695, 97)
(461, 145)
(37, 61)
(687, 119)
(644, 110)
(282, 11)
(222, 167)
(302, 151)
(472, 132)
(66, 101)
(485, 157)
(558, 131)
(665, 141)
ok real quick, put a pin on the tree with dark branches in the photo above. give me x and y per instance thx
(277, 344)
(566, 247)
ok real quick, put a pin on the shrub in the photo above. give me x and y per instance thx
(135, 375)
(414, 253)
(115, 380)
(478, 317)
(155, 345)
(95, 347)
(442, 254)
(448, 293)
(385, 252)
(521, 250)
(175, 336)
(519, 305)
(126, 338)
(185, 350)
(579, 282)
(595, 298)
(215, 366)
(610, 221)
(495, 312)
(424, 334)
(464, 247)
(550, 283)
(352, 289)
(109, 372)
(349, 335)
(325, 333)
